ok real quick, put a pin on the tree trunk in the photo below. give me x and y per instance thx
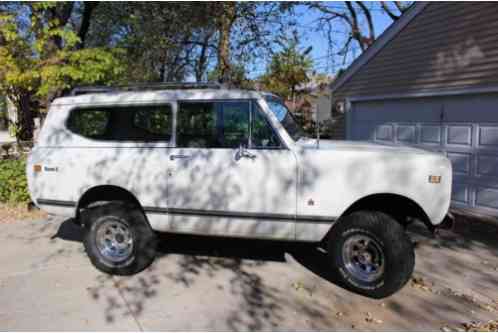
(200, 67)
(25, 121)
(89, 7)
(225, 27)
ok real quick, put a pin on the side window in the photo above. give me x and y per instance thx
(89, 123)
(262, 134)
(196, 125)
(235, 124)
(126, 123)
(155, 121)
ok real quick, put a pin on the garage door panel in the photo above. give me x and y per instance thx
(460, 194)
(406, 134)
(460, 135)
(488, 136)
(461, 162)
(487, 197)
(430, 134)
(487, 165)
(464, 128)
(384, 133)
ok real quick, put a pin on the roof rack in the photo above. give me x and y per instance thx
(145, 86)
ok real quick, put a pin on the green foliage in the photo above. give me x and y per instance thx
(237, 76)
(288, 69)
(13, 182)
(42, 57)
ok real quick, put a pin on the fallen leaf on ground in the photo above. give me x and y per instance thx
(370, 319)
(475, 326)
(300, 286)
(419, 283)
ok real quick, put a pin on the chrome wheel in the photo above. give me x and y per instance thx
(363, 258)
(114, 240)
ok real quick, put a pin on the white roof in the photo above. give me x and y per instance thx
(156, 96)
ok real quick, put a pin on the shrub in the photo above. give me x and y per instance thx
(13, 182)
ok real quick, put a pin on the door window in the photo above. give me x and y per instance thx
(262, 134)
(196, 126)
(235, 124)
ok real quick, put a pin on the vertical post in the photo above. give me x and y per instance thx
(317, 125)
(348, 118)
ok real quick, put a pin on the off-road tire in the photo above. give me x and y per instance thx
(397, 248)
(144, 238)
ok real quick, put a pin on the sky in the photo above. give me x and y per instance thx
(323, 62)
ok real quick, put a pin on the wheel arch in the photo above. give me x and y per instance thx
(103, 194)
(400, 207)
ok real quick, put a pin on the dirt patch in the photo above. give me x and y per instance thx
(13, 213)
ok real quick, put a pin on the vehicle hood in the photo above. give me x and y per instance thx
(308, 143)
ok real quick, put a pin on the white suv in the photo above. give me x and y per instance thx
(213, 161)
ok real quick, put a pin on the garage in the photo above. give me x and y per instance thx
(464, 128)
(425, 85)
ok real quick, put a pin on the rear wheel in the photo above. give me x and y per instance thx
(371, 253)
(118, 239)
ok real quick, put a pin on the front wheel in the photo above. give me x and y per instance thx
(371, 254)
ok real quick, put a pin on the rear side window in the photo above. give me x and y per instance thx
(89, 123)
(127, 123)
(155, 121)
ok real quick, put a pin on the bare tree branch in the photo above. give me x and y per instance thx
(388, 11)
(370, 24)
(402, 7)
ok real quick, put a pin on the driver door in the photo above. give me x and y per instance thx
(229, 174)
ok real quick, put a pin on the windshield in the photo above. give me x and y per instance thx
(285, 117)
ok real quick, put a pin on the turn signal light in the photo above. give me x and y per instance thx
(435, 179)
(37, 168)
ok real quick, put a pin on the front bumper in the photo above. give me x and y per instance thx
(448, 222)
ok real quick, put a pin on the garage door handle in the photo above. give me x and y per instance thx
(174, 157)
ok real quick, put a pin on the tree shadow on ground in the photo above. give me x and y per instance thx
(243, 264)
(261, 305)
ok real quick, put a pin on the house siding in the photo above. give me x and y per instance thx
(337, 127)
(447, 46)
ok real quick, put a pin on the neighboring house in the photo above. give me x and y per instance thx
(312, 98)
(431, 80)
(7, 114)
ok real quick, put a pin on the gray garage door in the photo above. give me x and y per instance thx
(464, 128)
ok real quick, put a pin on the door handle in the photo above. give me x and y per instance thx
(243, 153)
(178, 156)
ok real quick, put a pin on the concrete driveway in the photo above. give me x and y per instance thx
(200, 283)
